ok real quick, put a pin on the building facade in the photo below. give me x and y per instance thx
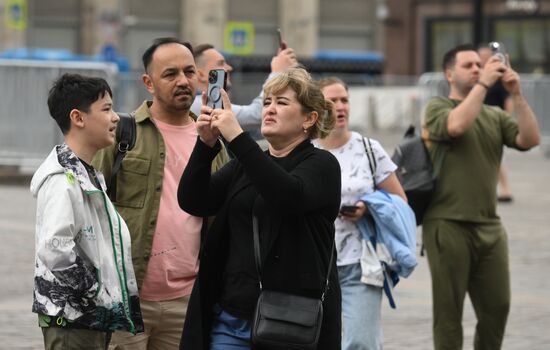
(419, 32)
(92, 27)
(412, 35)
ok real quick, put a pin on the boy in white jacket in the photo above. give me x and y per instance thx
(84, 284)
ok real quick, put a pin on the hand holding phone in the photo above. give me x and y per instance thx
(217, 80)
(348, 209)
(282, 44)
(499, 51)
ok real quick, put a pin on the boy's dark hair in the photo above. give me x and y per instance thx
(148, 54)
(449, 58)
(74, 91)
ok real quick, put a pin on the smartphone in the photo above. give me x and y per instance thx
(282, 45)
(498, 50)
(217, 80)
(348, 209)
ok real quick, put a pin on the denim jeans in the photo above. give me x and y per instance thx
(229, 332)
(361, 310)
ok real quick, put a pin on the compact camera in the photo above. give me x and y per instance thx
(498, 50)
(217, 80)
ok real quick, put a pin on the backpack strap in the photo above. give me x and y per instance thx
(126, 140)
(372, 160)
(440, 152)
(438, 160)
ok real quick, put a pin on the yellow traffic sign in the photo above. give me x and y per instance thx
(239, 38)
(15, 14)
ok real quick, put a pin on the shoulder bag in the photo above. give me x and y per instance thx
(283, 320)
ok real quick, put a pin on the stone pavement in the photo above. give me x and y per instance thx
(527, 221)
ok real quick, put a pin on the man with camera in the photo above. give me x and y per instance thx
(464, 238)
(249, 116)
(165, 239)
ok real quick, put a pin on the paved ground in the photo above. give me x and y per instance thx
(408, 327)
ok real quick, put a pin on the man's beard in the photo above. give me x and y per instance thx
(183, 106)
(186, 104)
(178, 106)
(465, 88)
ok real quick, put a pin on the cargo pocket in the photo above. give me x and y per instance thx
(132, 182)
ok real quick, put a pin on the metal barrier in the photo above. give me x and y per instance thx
(383, 107)
(535, 87)
(27, 131)
(129, 92)
(378, 102)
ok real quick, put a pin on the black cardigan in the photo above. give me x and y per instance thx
(299, 204)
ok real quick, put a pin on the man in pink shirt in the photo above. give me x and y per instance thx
(165, 239)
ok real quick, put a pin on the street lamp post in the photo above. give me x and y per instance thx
(477, 22)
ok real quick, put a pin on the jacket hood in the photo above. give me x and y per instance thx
(62, 160)
(49, 167)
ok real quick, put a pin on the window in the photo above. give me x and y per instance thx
(443, 35)
(527, 41)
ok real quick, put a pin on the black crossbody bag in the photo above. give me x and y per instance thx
(283, 320)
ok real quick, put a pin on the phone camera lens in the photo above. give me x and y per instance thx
(212, 76)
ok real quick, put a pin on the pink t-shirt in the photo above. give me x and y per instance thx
(173, 264)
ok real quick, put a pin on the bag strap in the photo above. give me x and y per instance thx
(258, 259)
(372, 160)
(438, 160)
(386, 286)
(441, 150)
(126, 137)
(257, 256)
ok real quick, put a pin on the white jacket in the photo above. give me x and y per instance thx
(83, 271)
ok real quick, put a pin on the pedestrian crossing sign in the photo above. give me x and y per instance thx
(239, 38)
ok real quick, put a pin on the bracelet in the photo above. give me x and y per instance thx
(484, 85)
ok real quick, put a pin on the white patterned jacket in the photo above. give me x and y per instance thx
(83, 269)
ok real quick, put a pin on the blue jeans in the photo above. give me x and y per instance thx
(229, 332)
(361, 310)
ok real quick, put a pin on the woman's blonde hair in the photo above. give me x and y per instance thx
(309, 96)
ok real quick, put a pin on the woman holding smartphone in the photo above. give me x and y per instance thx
(361, 302)
(293, 190)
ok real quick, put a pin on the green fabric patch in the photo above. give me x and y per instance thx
(44, 320)
(60, 321)
(70, 177)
